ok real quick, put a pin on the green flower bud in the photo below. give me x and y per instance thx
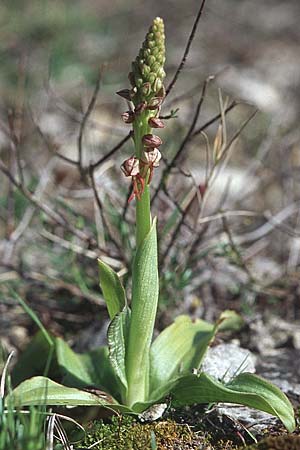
(146, 70)
(151, 60)
(146, 89)
(148, 66)
(157, 85)
(152, 77)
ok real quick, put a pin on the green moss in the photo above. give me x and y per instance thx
(125, 433)
(284, 442)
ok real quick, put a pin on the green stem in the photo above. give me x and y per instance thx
(143, 308)
(143, 213)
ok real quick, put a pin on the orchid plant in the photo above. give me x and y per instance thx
(133, 372)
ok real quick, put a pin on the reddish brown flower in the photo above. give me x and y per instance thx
(155, 103)
(128, 116)
(155, 122)
(130, 167)
(151, 140)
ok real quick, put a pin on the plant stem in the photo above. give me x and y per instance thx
(143, 308)
(147, 94)
(143, 214)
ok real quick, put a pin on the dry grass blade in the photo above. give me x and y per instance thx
(185, 140)
(3, 376)
(187, 49)
(50, 433)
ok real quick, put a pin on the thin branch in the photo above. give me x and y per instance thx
(46, 209)
(236, 250)
(186, 139)
(100, 209)
(102, 159)
(24, 222)
(111, 152)
(207, 124)
(91, 254)
(177, 228)
(85, 119)
(226, 214)
(66, 159)
(51, 282)
(187, 49)
(239, 131)
(273, 222)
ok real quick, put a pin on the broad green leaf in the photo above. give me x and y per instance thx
(179, 349)
(112, 289)
(92, 368)
(158, 396)
(117, 337)
(72, 365)
(143, 312)
(43, 391)
(246, 389)
(37, 359)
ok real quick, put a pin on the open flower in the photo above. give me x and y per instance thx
(131, 168)
(150, 161)
(152, 157)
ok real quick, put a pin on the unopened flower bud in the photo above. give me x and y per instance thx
(148, 65)
(157, 85)
(151, 59)
(151, 77)
(155, 122)
(130, 167)
(140, 108)
(161, 73)
(150, 140)
(155, 103)
(146, 89)
(139, 83)
(128, 116)
(161, 93)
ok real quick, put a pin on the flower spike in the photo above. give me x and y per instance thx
(147, 70)
(146, 95)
